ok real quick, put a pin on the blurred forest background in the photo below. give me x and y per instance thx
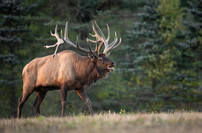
(159, 63)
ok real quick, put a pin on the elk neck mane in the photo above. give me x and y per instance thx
(87, 70)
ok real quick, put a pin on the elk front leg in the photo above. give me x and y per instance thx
(63, 100)
(83, 95)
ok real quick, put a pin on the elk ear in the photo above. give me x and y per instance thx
(92, 57)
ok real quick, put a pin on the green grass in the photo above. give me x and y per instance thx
(179, 122)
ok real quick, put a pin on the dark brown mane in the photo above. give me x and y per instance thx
(87, 70)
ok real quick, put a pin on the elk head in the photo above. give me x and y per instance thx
(99, 58)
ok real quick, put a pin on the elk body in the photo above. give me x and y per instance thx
(67, 70)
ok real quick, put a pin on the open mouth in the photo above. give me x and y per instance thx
(110, 68)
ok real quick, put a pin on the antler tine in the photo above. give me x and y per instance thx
(116, 44)
(89, 48)
(67, 40)
(66, 30)
(100, 31)
(77, 45)
(91, 40)
(107, 51)
(108, 31)
(112, 44)
(98, 38)
(96, 49)
(114, 41)
(59, 41)
(61, 33)
(105, 41)
(81, 49)
(102, 40)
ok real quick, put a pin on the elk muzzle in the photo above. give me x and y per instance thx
(110, 67)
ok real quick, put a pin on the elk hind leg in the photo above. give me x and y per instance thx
(40, 96)
(21, 102)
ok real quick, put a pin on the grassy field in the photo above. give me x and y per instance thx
(180, 122)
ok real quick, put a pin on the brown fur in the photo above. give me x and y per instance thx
(67, 71)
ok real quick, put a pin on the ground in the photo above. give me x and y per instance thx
(178, 122)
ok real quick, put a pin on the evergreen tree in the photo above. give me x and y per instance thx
(13, 29)
(190, 54)
(155, 52)
(143, 53)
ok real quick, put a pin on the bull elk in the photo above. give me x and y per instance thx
(68, 70)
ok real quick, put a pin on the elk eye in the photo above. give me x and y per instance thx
(100, 59)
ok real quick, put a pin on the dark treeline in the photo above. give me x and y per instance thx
(159, 63)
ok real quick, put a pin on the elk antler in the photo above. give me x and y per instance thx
(67, 41)
(59, 40)
(100, 38)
